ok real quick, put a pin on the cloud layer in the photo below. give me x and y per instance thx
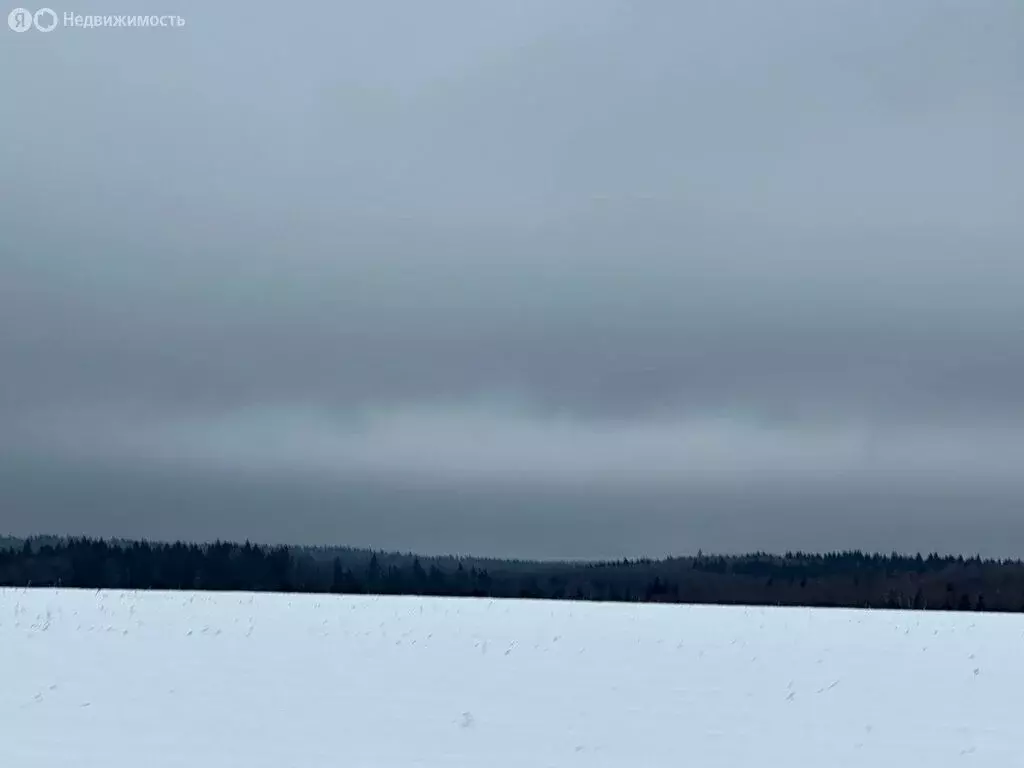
(535, 279)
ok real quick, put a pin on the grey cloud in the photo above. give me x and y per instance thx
(530, 250)
(506, 520)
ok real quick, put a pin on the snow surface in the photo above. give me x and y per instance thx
(111, 679)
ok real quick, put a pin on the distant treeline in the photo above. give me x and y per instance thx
(839, 579)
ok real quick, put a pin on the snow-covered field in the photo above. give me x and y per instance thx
(111, 679)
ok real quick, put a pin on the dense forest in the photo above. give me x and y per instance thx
(839, 579)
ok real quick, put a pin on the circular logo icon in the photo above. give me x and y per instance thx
(45, 20)
(20, 20)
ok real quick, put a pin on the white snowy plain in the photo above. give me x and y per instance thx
(158, 679)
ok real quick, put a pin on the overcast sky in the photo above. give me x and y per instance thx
(545, 278)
